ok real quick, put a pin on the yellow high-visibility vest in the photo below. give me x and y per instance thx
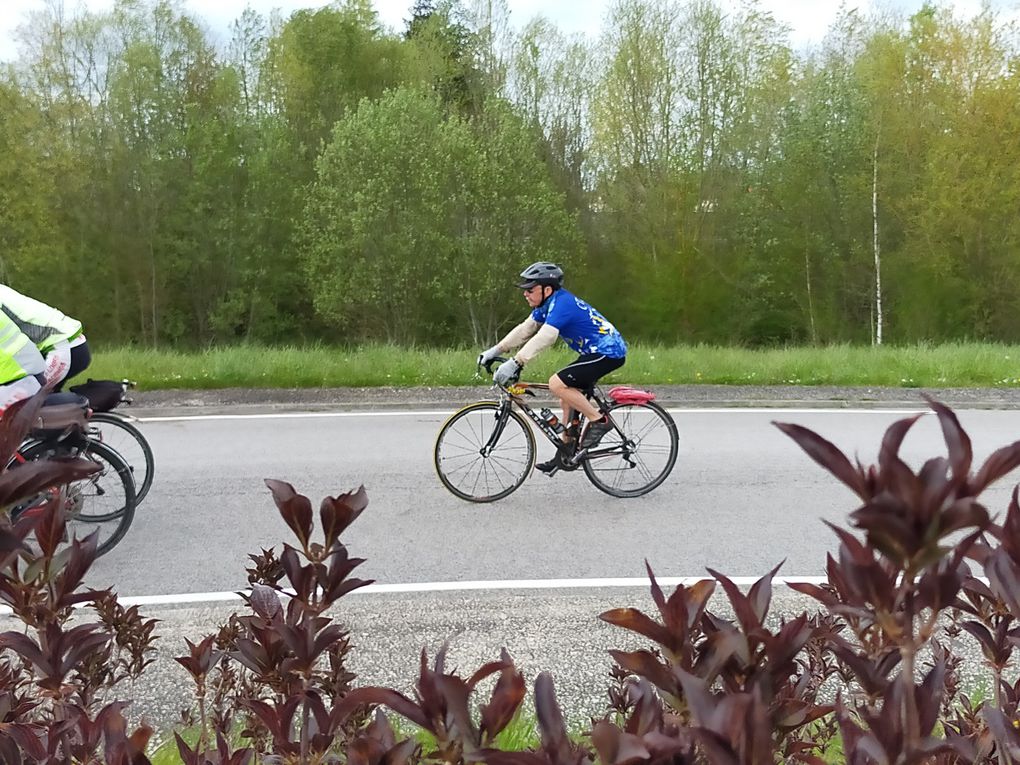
(18, 357)
(44, 325)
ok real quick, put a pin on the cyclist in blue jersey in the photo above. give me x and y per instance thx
(558, 313)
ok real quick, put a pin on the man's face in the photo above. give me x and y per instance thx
(535, 295)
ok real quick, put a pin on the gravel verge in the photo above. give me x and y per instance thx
(168, 402)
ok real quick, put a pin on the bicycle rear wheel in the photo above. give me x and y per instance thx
(117, 432)
(635, 463)
(103, 502)
(466, 470)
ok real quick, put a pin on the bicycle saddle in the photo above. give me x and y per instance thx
(57, 419)
(66, 399)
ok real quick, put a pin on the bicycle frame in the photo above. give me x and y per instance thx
(513, 394)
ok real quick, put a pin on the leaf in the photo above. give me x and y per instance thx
(17, 420)
(550, 718)
(636, 621)
(699, 699)
(827, 455)
(26, 480)
(746, 615)
(1004, 580)
(295, 509)
(395, 701)
(957, 440)
(266, 602)
(760, 596)
(823, 596)
(718, 649)
(645, 664)
(893, 439)
(336, 514)
(507, 697)
(962, 514)
(999, 463)
(616, 747)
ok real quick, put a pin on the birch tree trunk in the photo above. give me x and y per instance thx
(877, 337)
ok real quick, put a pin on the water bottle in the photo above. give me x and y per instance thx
(552, 420)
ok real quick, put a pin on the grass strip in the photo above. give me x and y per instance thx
(250, 366)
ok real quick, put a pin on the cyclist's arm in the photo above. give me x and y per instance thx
(518, 335)
(544, 338)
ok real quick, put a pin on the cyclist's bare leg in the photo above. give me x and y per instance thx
(572, 398)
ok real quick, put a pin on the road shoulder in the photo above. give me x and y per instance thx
(235, 400)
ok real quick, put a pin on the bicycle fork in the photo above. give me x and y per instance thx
(502, 415)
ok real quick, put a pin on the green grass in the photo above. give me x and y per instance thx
(936, 366)
(520, 735)
(167, 754)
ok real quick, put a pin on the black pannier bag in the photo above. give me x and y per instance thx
(103, 395)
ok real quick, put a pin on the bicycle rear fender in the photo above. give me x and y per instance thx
(624, 394)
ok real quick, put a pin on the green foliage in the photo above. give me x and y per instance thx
(704, 181)
(442, 213)
(28, 235)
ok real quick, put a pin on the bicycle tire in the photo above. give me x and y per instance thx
(655, 435)
(128, 441)
(115, 476)
(465, 471)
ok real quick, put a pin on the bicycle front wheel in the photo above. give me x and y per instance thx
(461, 460)
(636, 462)
(119, 434)
(103, 502)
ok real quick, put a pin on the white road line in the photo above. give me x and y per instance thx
(448, 412)
(666, 582)
(475, 586)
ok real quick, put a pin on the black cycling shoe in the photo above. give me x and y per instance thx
(560, 460)
(595, 432)
(556, 463)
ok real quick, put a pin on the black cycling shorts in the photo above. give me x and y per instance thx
(588, 369)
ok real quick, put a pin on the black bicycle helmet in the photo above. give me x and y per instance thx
(548, 274)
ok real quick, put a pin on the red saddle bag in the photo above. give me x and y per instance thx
(624, 394)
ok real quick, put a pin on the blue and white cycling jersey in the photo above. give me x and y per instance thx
(583, 328)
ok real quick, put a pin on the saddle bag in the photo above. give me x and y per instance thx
(103, 395)
(624, 394)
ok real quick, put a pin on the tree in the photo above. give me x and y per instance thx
(325, 62)
(417, 221)
(31, 241)
(445, 54)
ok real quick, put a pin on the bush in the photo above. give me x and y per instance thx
(872, 674)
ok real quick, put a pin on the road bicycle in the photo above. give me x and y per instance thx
(117, 430)
(485, 451)
(104, 501)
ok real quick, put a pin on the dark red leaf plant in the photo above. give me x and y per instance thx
(58, 675)
(442, 706)
(892, 587)
(741, 691)
(275, 675)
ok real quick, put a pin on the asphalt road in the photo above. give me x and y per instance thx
(742, 498)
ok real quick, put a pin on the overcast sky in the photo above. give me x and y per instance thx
(808, 19)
